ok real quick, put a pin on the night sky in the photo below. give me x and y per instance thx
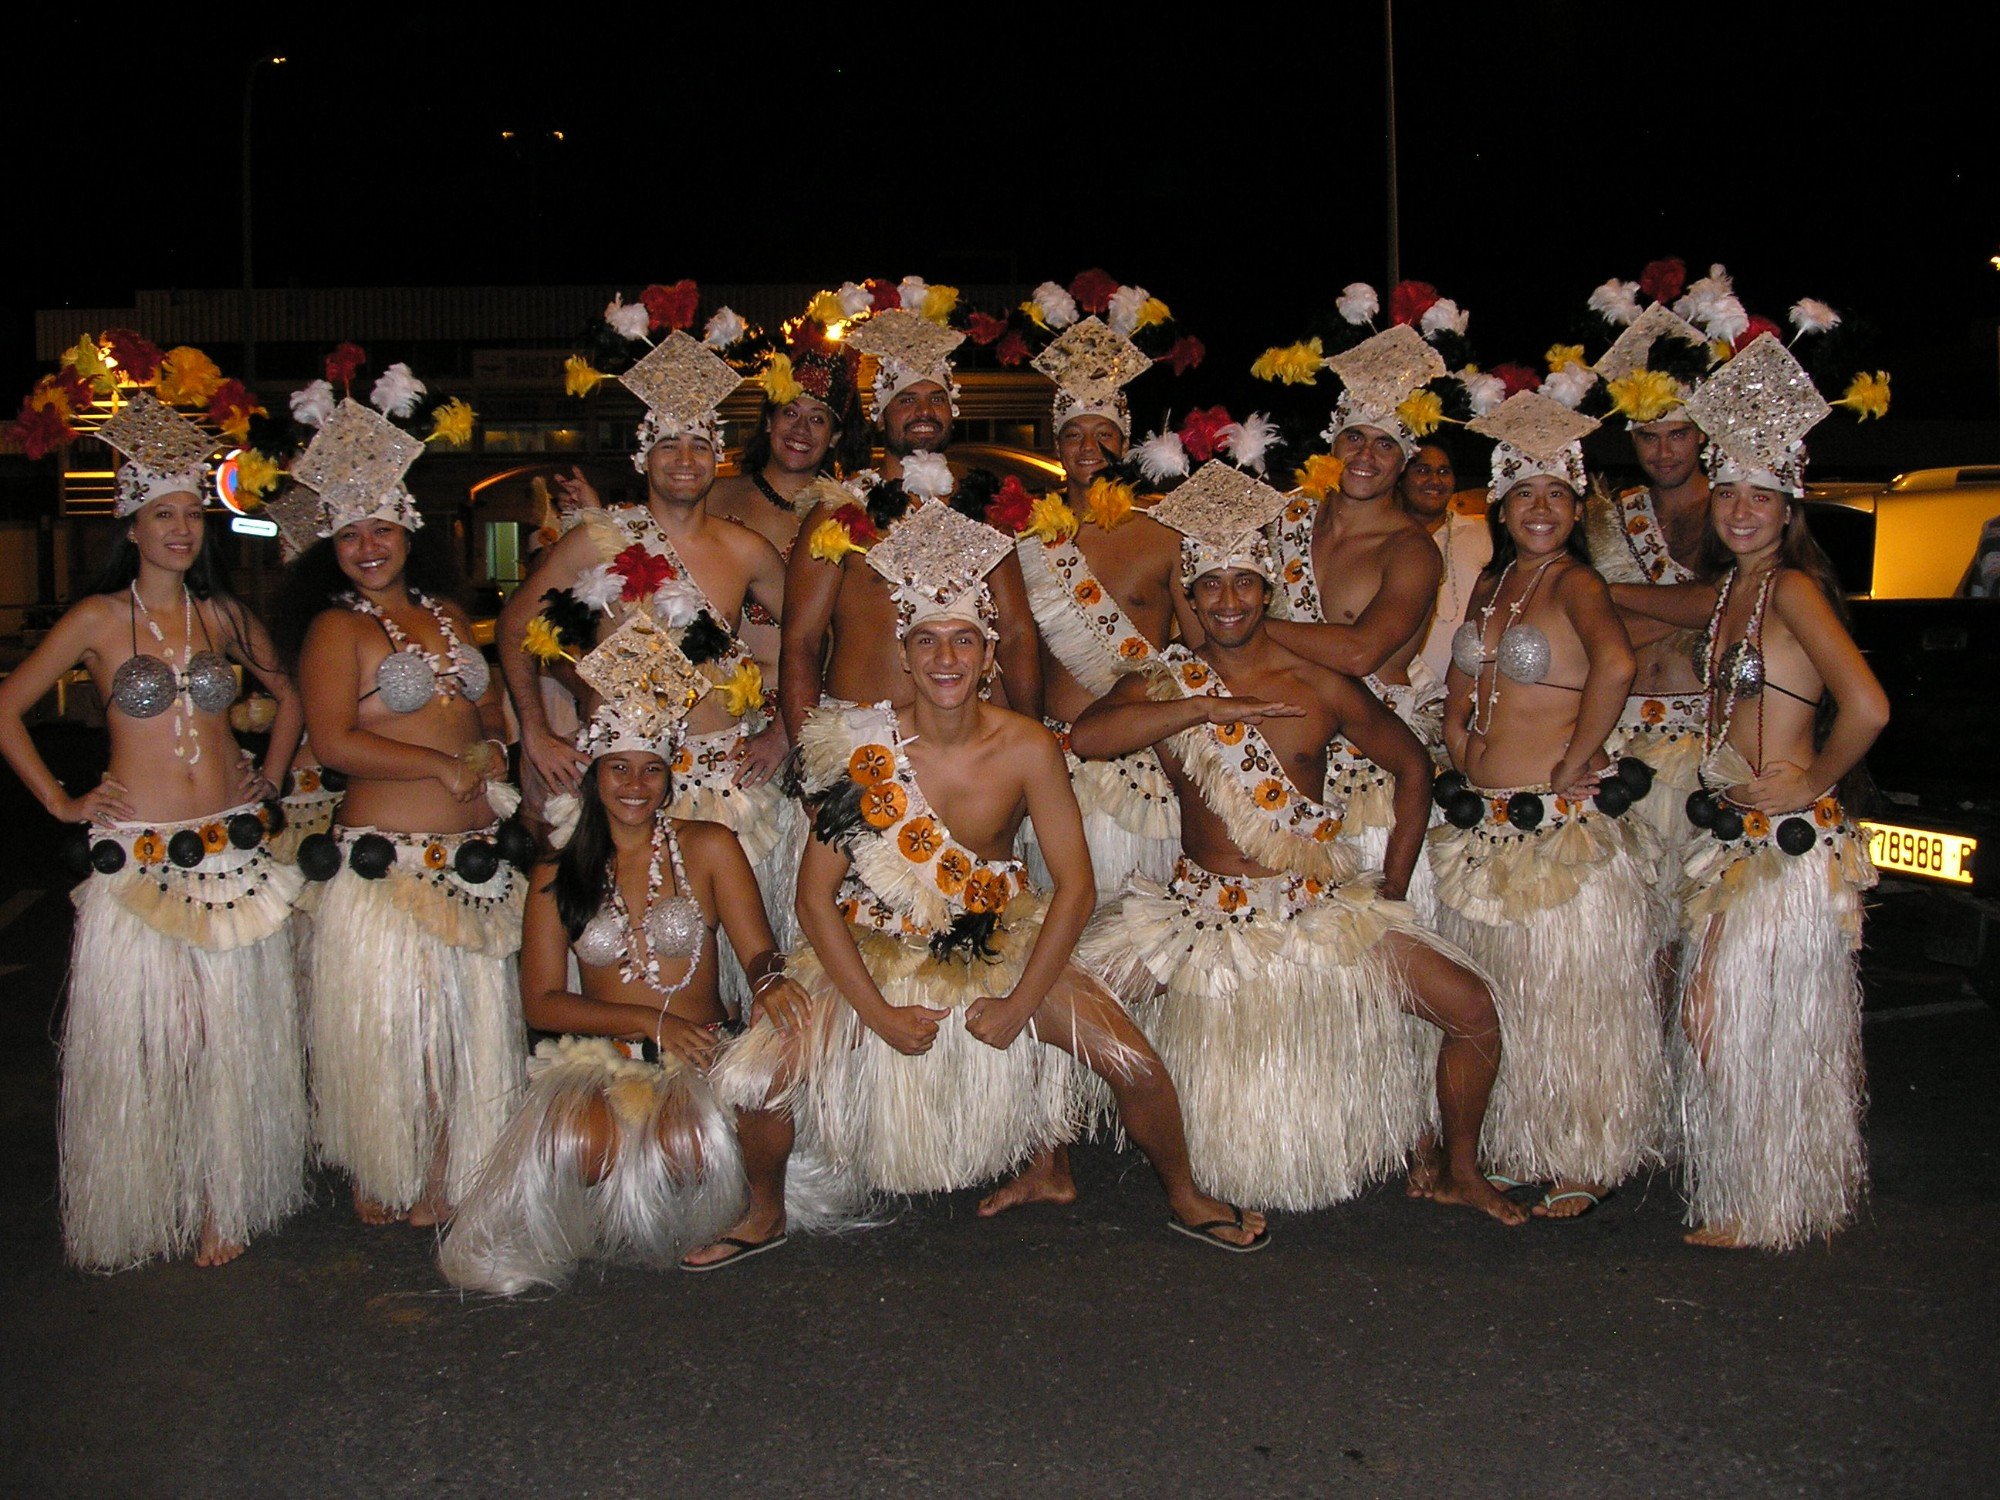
(1233, 167)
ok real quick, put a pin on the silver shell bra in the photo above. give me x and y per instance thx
(1522, 654)
(407, 678)
(145, 687)
(674, 927)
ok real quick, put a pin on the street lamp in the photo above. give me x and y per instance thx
(248, 317)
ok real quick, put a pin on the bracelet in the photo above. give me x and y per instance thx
(757, 988)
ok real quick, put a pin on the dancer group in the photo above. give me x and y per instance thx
(1241, 798)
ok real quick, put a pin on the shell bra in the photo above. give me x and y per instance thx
(1243, 781)
(145, 686)
(408, 677)
(909, 877)
(1080, 620)
(675, 927)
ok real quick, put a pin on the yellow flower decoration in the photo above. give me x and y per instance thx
(1755, 824)
(1719, 350)
(830, 542)
(1562, 356)
(89, 362)
(579, 379)
(883, 804)
(435, 855)
(1034, 313)
(188, 377)
(1232, 898)
(1270, 794)
(953, 870)
(1421, 412)
(985, 890)
(1867, 395)
(826, 309)
(1295, 364)
(256, 474)
(869, 764)
(452, 423)
(1108, 501)
(744, 690)
(149, 848)
(919, 839)
(1152, 311)
(938, 302)
(781, 388)
(1320, 476)
(1644, 395)
(214, 838)
(1050, 519)
(236, 426)
(540, 641)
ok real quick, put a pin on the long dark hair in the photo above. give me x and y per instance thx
(207, 578)
(583, 869)
(313, 581)
(1504, 551)
(848, 451)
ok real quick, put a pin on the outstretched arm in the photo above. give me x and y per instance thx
(1686, 606)
(1125, 719)
(1385, 739)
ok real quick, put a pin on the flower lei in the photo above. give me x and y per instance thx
(630, 970)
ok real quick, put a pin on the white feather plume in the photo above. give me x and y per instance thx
(1162, 457)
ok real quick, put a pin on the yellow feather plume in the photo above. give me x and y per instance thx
(1644, 395)
(1151, 311)
(1561, 356)
(452, 423)
(578, 377)
(939, 301)
(1320, 476)
(1867, 395)
(743, 691)
(540, 641)
(1295, 364)
(1050, 519)
(1108, 502)
(256, 474)
(781, 388)
(1421, 412)
(830, 542)
(188, 377)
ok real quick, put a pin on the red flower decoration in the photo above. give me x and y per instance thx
(814, 379)
(1093, 290)
(1201, 433)
(1012, 350)
(137, 357)
(1410, 300)
(345, 363)
(1187, 352)
(883, 294)
(1757, 325)
(671, 306)
(642, 571)
(231, 398)
(984, 328)
(1010, 507)
(855, 521)
(41, 431)
(1662, 280)
(1517, 378)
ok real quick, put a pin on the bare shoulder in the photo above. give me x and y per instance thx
(1798, 592)
(1581, 583)
(704, 840)
(1009, 732)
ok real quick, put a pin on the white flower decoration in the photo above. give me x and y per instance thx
(1726, 320)
(1162, 457)
(911, 289)
(927, 476)
(1616, 301)
(1057, 307)
(1443, 316)
(676, 602)
(1484, 391)
(1358, 303)
(1569, 384)
(1123, 314)
(629, 320)
(1812, 316)
(312, 405)
(598, 587)
(724, 328)
(396, 393)
(1249, 440)
(854, 300)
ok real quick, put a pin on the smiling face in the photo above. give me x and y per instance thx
(1749, 520)
(1373, 462)
(947, 659)
(801, 432)
(1087, 446)
(372, 553)
(680, 468)
(632, 785)
(168, 531)
(1230, 603)
(917, 420)
(1539, 514)
(1428, 483)
(1667, 452)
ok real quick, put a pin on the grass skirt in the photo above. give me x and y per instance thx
(414, 1021)
(676, 1182)
(1281, 1022)
(1664, 730)
(1772, 1124)
(183, 1094)
(1131, 821)
(960, 1114)
(1561, 919)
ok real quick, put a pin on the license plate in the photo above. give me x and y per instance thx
(1918, 851)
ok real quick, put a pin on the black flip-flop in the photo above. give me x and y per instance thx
(1206, 1233)
(740, 1250)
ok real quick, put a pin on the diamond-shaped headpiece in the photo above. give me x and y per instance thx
(937, 551)
(682, 380)
(901, 337)
(639, 670)
(1382, 371)
(1219, 506)
(1093, 360)
(1537, 425)
(149, 432)
(1628, 351)
(1759, 404)
(356, 459)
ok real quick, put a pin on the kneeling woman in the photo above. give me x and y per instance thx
(413, 1022)
(183, 1097)
(1537, 877)
(1769, 1051)
(621, 1152)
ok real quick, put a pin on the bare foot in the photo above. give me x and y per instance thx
(756, 1229)
(373, 1211)
(1716, 1237)
(1237, 1226)
(429, 1211)
(215, 1250)
(1046, 1179)
(1426, 1169)
(1570, 1200)
(1473, 1190)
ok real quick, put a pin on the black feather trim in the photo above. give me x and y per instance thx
(837, 813)
(971, 933)
(886, 504)
(574, 621)
(974, 492)
(704, 640)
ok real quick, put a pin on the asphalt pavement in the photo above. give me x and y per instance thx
(1384, 1348)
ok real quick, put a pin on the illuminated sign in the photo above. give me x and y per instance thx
(253, 526)
(1921, 852)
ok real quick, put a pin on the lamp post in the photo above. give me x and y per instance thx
(249, 310)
